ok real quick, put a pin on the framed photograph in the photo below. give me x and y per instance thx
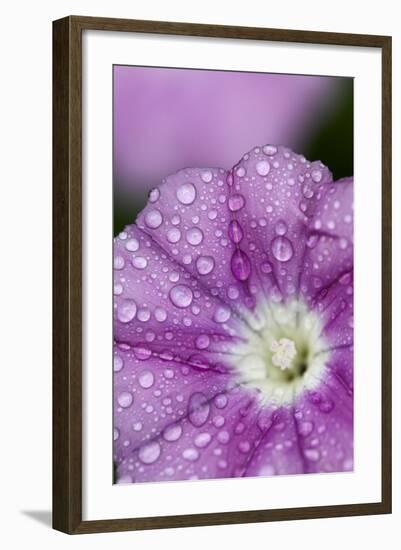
(222, 274)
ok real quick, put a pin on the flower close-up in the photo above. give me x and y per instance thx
(233, 324)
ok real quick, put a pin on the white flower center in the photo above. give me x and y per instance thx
(281, 353)
(284, 353)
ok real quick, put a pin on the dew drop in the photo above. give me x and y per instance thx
(173, 235)
(240, 172)
(194, 236)
(148, 454)
(139, 262)
(269, 150)
(126, 311)
(146, 379)
(132, 245)
(316, 175)
(118, 363)
(190, 454)
(119, 262)
(202, 341)
(282, 249)
(181, 296)
(222, 314)
(206, 176)
(281, 228)
(198, 409)
(173, 432)
(205, 265)
(262, 167)
(160, 314)
(266, 268)
(305, 428)
(236, 202)
(221, 401)
(186, 193)
(153, 219)
(125, 399)
(240, 265)
(154, 195)
(235, 231)
(312, 454)
(202, 440)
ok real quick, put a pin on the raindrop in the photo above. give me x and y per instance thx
(119, 262)
(118, 363)
(262, 167)
(146, 379)
(222, 314)
(240, 172)
(312, 454)
(186, 193)
(181, 296)
(190, 454)
(153, 219)
(269, 150)
(205, 265)
(206, 176)
(203, 439)
(281, 228)
(139, 262)
(149, 453)
(202, 341)
(132, 245)
(316, 175)
(240, 265)
(282, 249)
(173, 235)
(266, 268)
(194, 236)
(160, 314)
(198, 409)
(173, 432)
(125, 399)
(305, 428)
(154, 195)
(220, 401)
(126, 311)
(236, 202)
(235, 231)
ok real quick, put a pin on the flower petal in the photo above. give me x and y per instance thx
(273, 194)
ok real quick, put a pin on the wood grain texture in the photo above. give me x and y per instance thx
(67, 274)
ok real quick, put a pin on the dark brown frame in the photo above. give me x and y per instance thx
(67, 274)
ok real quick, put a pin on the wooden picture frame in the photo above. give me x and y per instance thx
(67, 273)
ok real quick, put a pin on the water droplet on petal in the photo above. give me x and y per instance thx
(222, 314)
(181, 296)
(139, 262)
(269, 150)
(221, 401)
(305, 428)
(262, 167)
(198, 409)
(148, 454)
(236, 202)
(202, 341)
(126, 311)
(205, 265)
(153, 219)
(132, 245)
(281, 228)
(146, 379)
(202, 440)
(266, 268)
(186, 194)
(118, 363)
(125, 399)
(160, 314)
(312, 454)
(119, 262)
(173, 235)
(194, 236)
(173, 432)
(206, 176)
(190, 454)
(154, 195)
(316, 175)
(240, 172)
(235, 231)
(240, 265)
(282, 249)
